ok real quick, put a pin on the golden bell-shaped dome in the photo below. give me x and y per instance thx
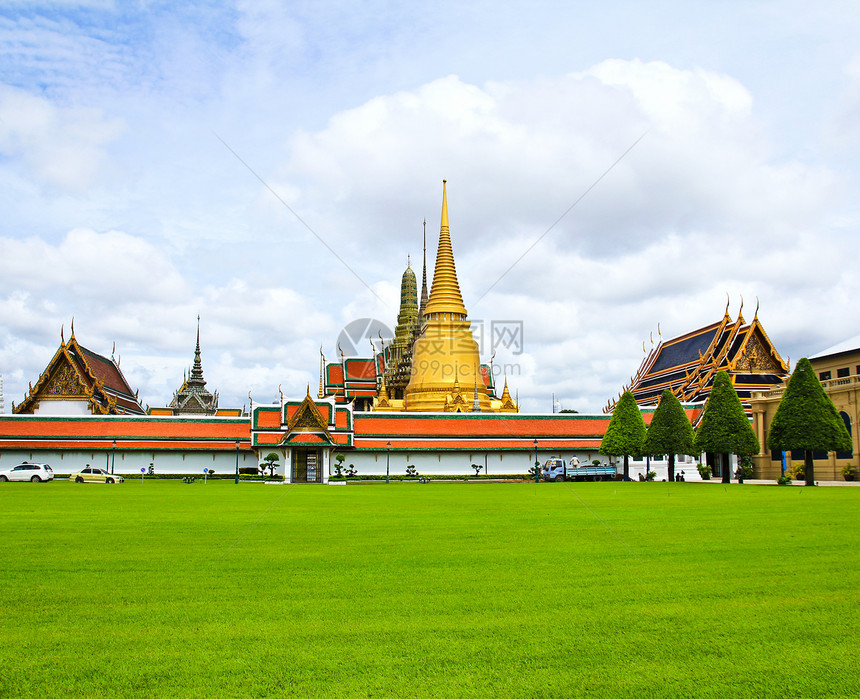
(445, 355)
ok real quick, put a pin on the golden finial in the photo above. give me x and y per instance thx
(73, 329)
(728, 301)
(755, 317)
(282, 393)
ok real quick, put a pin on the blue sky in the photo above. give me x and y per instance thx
(123, 208)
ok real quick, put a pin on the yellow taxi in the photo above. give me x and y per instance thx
(95, 475)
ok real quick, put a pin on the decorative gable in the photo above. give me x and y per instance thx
(65, 382)
(307, 419)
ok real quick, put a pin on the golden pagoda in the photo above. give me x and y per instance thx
(445, 355)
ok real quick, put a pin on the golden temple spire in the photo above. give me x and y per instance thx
(445, 296)
(445, 350)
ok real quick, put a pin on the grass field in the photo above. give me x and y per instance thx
(476, 589)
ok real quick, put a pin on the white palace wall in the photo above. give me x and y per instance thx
(64, 462)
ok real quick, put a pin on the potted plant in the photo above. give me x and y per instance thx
(849, 472)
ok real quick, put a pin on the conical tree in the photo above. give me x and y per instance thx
(670, 431)
(725, 428)
(807, 419)
(626, 432)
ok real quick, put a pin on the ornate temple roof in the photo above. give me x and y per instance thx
(192, 398)
(688, 363)
(132, 433)
(77, 374)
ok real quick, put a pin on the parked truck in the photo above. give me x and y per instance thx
(556, 469)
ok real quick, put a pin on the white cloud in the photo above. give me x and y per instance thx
(108, 128)
(62, 147)
(698, 209)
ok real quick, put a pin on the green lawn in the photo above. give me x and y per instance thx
(475, 589)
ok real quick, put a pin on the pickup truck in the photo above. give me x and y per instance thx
(555, 469)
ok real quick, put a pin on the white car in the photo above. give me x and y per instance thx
(38, 473)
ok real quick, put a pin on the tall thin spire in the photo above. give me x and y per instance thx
(445, 296)
(424, 294)
(196, 377)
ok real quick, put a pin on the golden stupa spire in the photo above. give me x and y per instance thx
(445, 351)
(445, 296)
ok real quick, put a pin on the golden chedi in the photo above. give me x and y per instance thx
(445, 360)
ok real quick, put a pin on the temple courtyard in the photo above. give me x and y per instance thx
(160, 588)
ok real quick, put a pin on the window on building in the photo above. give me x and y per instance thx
(847, 421)
(842, 373)
(824, 375)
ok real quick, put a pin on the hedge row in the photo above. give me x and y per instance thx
(434, 477)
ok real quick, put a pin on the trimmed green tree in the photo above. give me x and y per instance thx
(626, 432)
(270, 462)
(807, 419)
(725, 428)
(670, 431)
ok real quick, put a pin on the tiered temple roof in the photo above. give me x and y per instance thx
(77, 375)
(192, 398)
(687, 364)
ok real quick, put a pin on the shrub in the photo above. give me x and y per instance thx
(797, 471)
(248, 470)
(704, 471)
(477, 468)
(338, 466)
(441, 477)
(650, 476)
(849, 473)
(411, 471)
(784, 479)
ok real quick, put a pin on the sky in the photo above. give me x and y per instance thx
(616, 172)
